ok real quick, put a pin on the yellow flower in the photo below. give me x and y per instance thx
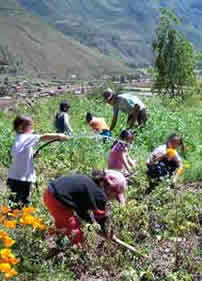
(10, 223)
(180, 171)
(8, 257)
(39, 225)
(171, 152)
(8, 242)
(12, 272)
(5, 209)
(14, 260)
(28, 210)
(27, 219)
(5, 267)
(1, 219)
(5, 253)
(3, 234)
(14, 213)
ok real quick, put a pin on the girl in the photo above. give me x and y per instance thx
(70, 198)
(62, 123)
(118, 157)
(98, 125)
(21, 173)
(165, 161)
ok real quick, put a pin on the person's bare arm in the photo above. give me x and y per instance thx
(179, 170)
(125, 162)
(131, 162)
(114, 120)
(49, 137)
(157, 158)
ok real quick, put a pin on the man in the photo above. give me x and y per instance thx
(129, 104)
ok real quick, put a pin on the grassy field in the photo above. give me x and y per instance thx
(163, 226)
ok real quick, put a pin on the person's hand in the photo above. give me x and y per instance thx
(63, 137)
(134, 164)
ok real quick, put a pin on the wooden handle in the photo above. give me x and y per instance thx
(127, 246)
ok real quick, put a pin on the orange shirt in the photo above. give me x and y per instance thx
(98, 124)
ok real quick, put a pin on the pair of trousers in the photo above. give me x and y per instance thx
(21, 192)
(64, 217)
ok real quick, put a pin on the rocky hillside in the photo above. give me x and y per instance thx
(31, 46)
(122, 28)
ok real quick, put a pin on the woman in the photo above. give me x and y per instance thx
(71, 198)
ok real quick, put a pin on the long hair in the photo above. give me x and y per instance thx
(89, 116)
(124, 135)
(173, 137)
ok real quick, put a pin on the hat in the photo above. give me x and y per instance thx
(116, 183)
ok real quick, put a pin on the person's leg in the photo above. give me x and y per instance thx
(19, 193)
(65, 220)
(25, 193)
(132, 117)
(142, 118)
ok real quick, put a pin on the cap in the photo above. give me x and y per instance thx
(116, 183)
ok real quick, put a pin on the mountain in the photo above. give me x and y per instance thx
(122, 28)
(37, 47)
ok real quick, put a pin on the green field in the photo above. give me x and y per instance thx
(163, 225)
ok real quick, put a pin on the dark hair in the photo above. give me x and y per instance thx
(21, 122)
(64, 106)
(180, 139)
(108, 95)
(89, 116)
(98, 176)
(124, 135)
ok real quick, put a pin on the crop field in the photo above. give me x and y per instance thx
(163, 226)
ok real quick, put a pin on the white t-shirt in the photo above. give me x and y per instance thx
(22, 167)
(160, 151)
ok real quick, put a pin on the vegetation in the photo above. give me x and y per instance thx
(163, 225)
(119, 28)
(46, 51)
(175, 60)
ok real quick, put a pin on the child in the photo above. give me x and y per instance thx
(70, 198)
(118, 157)
(62, 119)
(98, 125)
(165, 161)
(21, 174)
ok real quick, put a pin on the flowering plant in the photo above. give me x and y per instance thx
(10, 220)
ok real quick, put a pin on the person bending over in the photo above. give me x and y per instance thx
(70, 199)
(129, 104)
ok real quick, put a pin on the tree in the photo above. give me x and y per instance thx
(175, 59)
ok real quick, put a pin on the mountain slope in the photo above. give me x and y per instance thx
(124, 28)
(43, 49)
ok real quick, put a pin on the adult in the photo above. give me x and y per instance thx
(129, 104)
(71, 198)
